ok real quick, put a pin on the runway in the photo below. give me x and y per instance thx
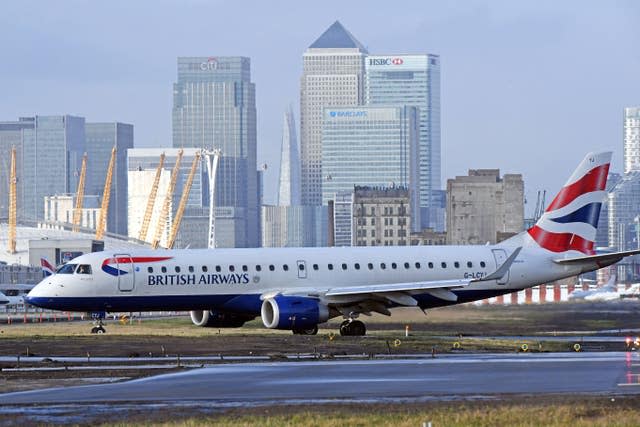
(370, 380)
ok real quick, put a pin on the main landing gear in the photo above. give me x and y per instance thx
(353, 328)
(309, 331)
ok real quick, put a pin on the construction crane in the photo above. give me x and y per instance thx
(183, 203)
(13, 180)
(151, 202)
(106, 194)
(164, 213)
(77, 212)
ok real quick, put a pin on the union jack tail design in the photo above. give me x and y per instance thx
(47, 268)
(571, 220)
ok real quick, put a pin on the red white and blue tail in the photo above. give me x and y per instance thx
(571, 220)
(47, 268)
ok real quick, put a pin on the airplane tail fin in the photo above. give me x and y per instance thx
(47, 268)
(571, 220)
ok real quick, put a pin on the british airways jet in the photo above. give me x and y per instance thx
(298, 288)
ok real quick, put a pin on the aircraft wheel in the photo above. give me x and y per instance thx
(345, 330)
(358, 328)
(94, 330)
(101, 330)
(310, 331)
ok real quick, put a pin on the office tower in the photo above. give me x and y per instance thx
(631, 151)
(371, 146)
(289, 182)
(100, 139)
(214, 108)
(11, 135)
(51, 158)
(482, 207)
(624, 213)
(413, 80)
(333, 76)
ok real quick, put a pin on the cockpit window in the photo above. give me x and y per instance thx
(67, 269)
(84, 269)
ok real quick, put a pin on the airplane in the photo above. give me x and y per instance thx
(298, 288)
(606, 292)
(14, 293)
(3, 299)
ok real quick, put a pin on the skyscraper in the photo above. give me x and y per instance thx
(413, 80)
(631, 139)
(214, 108)
(333, 76)
(51, 157)
(100, 139)
(11, 135)
(289, 182)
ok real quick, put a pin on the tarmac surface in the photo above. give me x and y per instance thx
(370, 380)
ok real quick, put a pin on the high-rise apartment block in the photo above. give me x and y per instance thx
(631, 149)
(482, 207)
(214, 108)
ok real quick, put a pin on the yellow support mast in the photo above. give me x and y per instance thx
(164, 213)
(106, 195)
(146, 221)
(13, 203)
(77, 212)
(183, 202)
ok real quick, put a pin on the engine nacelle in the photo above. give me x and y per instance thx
(216, 319)
(291, 312)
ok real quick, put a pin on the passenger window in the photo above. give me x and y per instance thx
(482, 264)
(370, 266)
(301, 267)
(382, 265)
(456, 264)
(232, 268)
(406, 265)
(150, 269)
(344, 266)
(258, 268)
(330, 266)
(245, 268)
(469, 264)
(84, 269)
(444, 265)
(204, 269)
(315, 266)
(218, 269)
(430, 265)
(191, 269)
(163, 269)
(177, 269)
(67, 269)
(356, 266)
(394, 265)
(285, 267)
(418, 265)
(271, 267)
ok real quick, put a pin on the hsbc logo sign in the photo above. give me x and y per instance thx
(386, 61)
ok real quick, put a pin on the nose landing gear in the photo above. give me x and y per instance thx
(98, 322)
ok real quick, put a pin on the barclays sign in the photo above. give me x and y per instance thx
(348, 113)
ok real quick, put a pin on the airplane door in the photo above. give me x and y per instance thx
(124, 264)
(302, 269)
(500, 256)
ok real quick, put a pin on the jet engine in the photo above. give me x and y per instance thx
(217, 319)
(291, 312)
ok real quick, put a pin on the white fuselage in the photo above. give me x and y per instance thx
(237, 279)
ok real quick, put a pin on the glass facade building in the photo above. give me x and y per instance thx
(414, 80)
(100, 139)
(214, 108)
(289, 182)
(624, 213)
(371, 146)
(631, 150)
(51, 160)
(11, 135)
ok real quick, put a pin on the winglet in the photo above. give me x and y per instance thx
(502, 270)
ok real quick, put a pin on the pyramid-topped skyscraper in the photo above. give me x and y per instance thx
(333, 76)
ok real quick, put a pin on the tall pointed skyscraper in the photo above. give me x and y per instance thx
(289, 183)
(333, 75)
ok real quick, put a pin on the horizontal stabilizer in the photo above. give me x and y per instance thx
(602, 260)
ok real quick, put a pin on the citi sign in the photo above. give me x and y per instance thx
(385, 61)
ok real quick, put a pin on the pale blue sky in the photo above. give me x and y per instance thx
(527, 87)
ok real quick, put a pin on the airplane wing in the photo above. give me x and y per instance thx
(602, 260)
